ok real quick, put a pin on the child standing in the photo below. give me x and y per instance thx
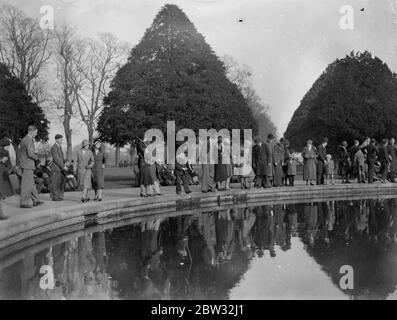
(329, 169)
(291, 162)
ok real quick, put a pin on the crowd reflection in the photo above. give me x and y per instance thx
(203, 256)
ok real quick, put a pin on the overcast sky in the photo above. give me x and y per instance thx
(287, 43)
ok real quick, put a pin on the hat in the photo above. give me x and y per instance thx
(58, 136)
(85, 143)
(4, 142)
(97, 140)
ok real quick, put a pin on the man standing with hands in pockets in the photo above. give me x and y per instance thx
(28, 158)
(58, 167)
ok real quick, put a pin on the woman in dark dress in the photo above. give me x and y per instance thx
(145, 172)
(98, 176)
(221, 170)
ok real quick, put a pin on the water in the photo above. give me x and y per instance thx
(267, 252)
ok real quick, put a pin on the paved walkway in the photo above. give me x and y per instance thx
(11, 205)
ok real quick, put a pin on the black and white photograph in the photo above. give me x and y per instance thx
(215, 151)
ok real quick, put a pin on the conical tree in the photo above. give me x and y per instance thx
(173, 75)
(356, 97)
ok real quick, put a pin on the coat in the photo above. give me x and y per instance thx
(27, 153)
(383, 155)
(83, 163)
(291, 166)
(371, 152)
(262, 160)
(359, 158)
(392, 150)
(329, 166)
(58, 161)
(98, 175)
(6, 189)
(309, 163)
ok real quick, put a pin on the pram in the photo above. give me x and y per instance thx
(166, 174)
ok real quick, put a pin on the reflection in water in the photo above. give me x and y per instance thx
(218, 255)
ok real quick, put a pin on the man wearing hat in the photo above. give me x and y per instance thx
(58, 168)
(28, 158)
(321, 160)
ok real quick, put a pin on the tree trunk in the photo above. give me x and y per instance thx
(68, 135)
(117, 156)
(90, 130)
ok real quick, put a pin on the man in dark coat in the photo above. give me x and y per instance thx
(384, 159)
(344, 162)
(261, 157)
(392, 150)
(321, 160)
(270, 143)
(372, 155)
(352, 152)
(58, 168)
(278, 158)
(28, 158)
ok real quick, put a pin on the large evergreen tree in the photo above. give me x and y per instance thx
(172, 74)
(355, 97)
(17, 111)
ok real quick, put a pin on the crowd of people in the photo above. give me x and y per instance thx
(273, 164)
(87, 166)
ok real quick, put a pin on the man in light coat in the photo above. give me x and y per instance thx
(28, 158)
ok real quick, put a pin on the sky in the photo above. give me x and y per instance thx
(287, 43)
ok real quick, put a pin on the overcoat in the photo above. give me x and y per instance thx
(309, 163)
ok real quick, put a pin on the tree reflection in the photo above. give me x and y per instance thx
(204, 256)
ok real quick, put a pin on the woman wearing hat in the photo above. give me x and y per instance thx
(82, 165)
(146, 176)
(98, 176)
(309, 155)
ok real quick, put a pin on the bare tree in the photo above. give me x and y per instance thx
(24, 48)
(241, 76)
(99, 60)
(66, 54)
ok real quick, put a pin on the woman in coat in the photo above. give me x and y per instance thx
(221, 170)
(309, 155)
(82, 165)
(4, 158)
(5, 170)
(98, 176)
(146, 181)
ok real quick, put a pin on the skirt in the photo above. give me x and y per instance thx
(98, 179)
(84, 179)
(146, 176)
(221, 172)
